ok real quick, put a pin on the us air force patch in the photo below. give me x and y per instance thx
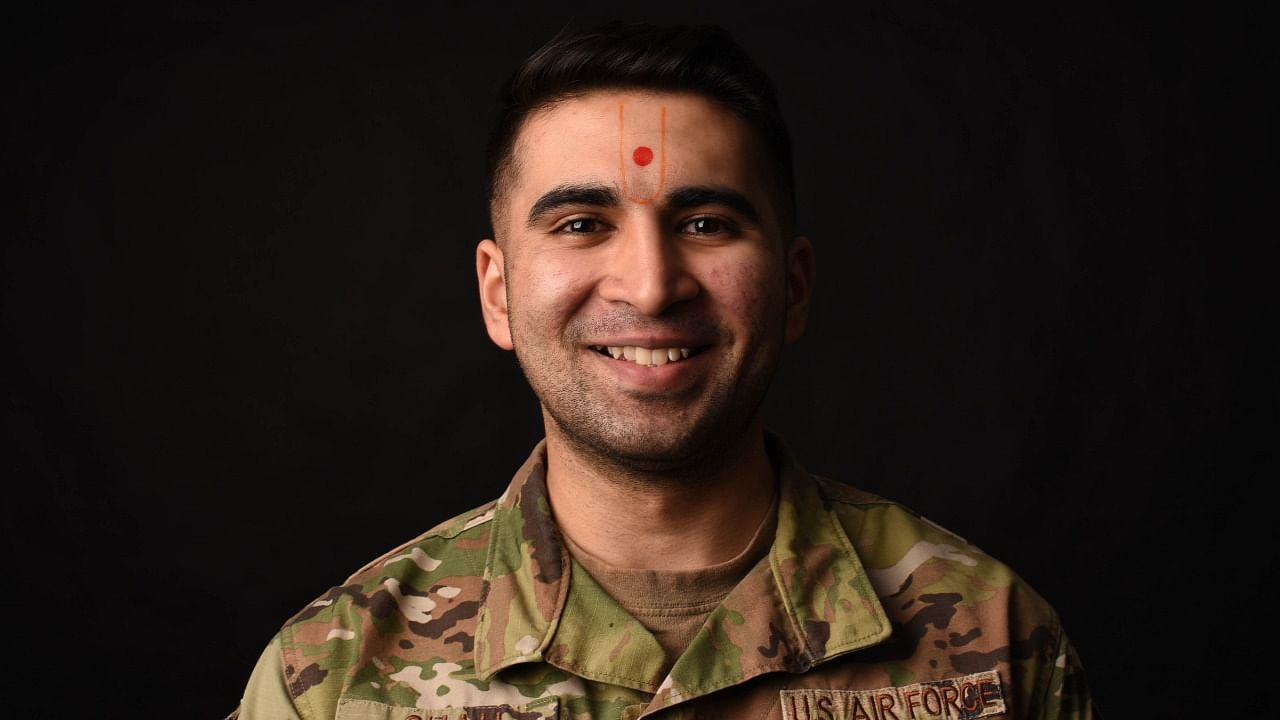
(960, 698)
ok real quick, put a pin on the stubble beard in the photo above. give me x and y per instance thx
(681, 437)
(654, 445)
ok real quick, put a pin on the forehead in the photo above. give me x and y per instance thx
(635, 138)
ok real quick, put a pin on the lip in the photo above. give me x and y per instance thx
(654, 341)
(665, 379)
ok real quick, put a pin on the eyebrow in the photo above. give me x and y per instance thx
(566, 195)
(604, 196)
(698, 195)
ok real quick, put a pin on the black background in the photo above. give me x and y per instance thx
(242, 353)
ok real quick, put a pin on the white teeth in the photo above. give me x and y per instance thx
(649, 357)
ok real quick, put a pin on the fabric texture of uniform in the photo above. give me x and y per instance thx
(673, 604)
(860, 609)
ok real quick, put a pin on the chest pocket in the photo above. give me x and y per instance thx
(541, 709)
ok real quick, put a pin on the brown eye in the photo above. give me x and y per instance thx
(581, 225)
(705, 226)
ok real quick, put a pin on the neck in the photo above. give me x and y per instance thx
(669, 521)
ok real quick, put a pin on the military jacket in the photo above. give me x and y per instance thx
(860, 610)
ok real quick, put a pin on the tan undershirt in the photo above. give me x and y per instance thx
(673, 604)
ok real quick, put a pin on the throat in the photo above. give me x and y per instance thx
(694, 518)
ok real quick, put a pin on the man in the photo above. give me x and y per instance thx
(659, 554)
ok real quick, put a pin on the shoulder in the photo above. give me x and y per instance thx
(416, 603)
(892, 540)
(950, 603)
(902, 549)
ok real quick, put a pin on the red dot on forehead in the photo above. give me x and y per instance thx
(643, 156)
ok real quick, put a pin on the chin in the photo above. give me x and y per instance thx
(676, 450)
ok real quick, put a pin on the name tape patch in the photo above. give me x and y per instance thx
(960, 698)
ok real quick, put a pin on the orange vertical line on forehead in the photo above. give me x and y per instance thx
(662, 153)
(622, 153)
(662, 150)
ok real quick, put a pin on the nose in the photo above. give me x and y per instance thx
(648, 270)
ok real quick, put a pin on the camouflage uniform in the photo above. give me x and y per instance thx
(859, 610)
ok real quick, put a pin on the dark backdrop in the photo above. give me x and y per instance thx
(242, 353)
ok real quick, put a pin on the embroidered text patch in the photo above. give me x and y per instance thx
(961, 698)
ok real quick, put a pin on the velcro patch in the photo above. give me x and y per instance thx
(960, 698)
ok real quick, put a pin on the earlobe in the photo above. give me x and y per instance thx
(801, 272)
(492, 280)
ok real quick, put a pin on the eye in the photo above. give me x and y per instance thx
(581, 226)
(708, 226)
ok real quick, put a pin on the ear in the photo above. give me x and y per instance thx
(492, 279)
(800, 277)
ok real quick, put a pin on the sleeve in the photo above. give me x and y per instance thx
(1067, 695)
(266, 697)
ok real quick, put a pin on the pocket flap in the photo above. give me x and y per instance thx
(542, 709)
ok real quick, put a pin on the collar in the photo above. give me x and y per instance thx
(807, 601)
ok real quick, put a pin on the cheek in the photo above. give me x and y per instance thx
(746, 291)
(544, 288)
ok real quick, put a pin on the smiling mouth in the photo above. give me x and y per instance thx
(649, 357)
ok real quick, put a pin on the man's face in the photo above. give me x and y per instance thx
(641, 276)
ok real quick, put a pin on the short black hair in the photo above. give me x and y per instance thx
(698, 59)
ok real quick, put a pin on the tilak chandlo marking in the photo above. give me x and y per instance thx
(643, 155)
